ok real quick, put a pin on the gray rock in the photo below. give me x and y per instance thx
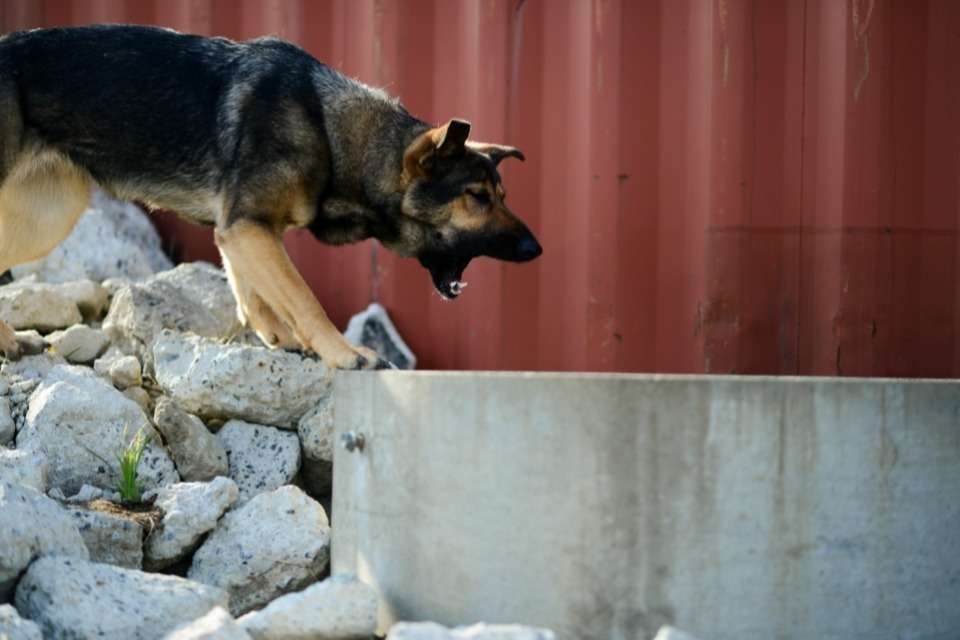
(13, 627)
(141, 397)
(122, 370)
(216, 625)
(261, 458)
(86, 493)
(8, 429)
(373, 328)
(31, 342)
(72, 598)
(339, 608)
(434, 631)
(667, 632)
(109, 538)
(23, 467)
(316, 431)
(198, 454)
(23, 388)
(38, 307)
(193, 297)
(112, 239)
(277, 543)
(79, 344)
(31, 370)
(31, 525)
(81, 424)
(190, 509)
(213, 380)
(90, 297)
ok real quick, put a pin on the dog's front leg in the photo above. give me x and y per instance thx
(258, 258)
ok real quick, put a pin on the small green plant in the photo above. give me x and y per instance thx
(129, 460)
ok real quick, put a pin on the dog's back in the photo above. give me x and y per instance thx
(149, 113)
(116, 100)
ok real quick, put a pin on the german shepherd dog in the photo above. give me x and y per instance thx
(252, 138)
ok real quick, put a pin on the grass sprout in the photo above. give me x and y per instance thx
(129, 460)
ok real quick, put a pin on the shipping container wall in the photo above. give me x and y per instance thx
(719, 185)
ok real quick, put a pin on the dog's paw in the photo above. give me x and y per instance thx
(384, 364)
(365, 359)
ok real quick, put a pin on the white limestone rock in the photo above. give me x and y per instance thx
(434, 631)
(8, 429)
(31, 525)
(122, 370)
(193, 297)
(24, 467)
(198, 454)
(31, 342)
(316, 431)
(216, 625)
(79, 343)
(80, 423)
(277, 543)
(261, 458)
(90, 297)
(190, 509)
(13, 627)
(71, 598)
(109, 538)
(38, 307)
(667, 632)
(339, 608)
(214, 380)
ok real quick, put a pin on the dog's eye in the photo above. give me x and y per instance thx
(480, 196)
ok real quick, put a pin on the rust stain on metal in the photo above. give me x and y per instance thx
(722, 12)
(861, 24)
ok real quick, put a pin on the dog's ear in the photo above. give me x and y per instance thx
(453, 137)
(420, 156)
(497, 152)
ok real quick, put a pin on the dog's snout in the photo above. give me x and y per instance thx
(528, 248)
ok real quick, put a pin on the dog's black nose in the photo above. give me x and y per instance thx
(529, 248)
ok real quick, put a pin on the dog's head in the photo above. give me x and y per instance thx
(453, 189)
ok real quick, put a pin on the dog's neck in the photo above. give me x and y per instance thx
(368, 133)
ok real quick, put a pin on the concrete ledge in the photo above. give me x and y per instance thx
(603, 506)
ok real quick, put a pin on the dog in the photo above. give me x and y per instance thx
(252, 138)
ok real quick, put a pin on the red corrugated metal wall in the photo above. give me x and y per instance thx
(720, 185)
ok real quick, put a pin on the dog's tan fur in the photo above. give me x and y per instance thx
(40, 202)
(275, 295)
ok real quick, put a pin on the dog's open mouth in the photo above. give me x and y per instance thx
(447, 274)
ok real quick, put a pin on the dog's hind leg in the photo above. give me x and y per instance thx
(40, 200)
(259, 260)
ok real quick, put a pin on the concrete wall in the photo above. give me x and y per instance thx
(606, 505)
